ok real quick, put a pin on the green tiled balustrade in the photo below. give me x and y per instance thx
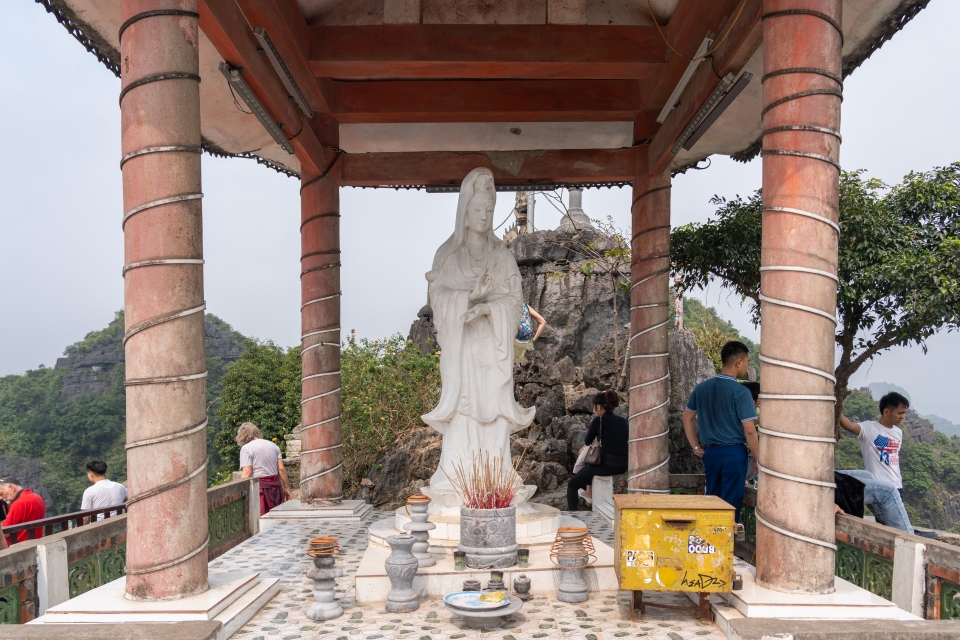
(225, 522)
(866, 570)
(10, 605)
(949, 601)
(93, 571)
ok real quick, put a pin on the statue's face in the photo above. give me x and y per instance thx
(479, 216)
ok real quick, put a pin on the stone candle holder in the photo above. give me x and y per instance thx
(417, 506)
(401, 565)
(324, 575)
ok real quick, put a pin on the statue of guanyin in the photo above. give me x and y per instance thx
(476, 297)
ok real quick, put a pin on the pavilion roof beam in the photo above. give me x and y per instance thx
(730, 56)
(486, 51)
(691, 22)
(509, 167)
(225, 26)
(486, 101)
(286, 27)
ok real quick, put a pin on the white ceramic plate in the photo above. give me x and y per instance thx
(471, 600)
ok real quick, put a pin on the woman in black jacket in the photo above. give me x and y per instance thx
(613, 432)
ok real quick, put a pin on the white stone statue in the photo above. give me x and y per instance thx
(476, 298)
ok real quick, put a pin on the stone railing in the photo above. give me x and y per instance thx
(38, 574)
(917, 574)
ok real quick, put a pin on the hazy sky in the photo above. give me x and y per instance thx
(61, 246)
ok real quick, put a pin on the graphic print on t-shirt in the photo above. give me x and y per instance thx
(888, 450)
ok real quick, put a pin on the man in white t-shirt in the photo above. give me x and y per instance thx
(880, 440)
(104, 493)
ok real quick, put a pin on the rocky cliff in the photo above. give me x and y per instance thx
(92, 364)
(572, 360)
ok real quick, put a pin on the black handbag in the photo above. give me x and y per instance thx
(593, 453)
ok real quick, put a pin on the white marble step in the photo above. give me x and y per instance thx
(346, 510)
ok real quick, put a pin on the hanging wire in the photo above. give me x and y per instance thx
(708, 53)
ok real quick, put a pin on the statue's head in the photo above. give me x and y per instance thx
(479, 214)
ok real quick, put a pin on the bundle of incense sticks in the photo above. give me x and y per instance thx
(488, 483)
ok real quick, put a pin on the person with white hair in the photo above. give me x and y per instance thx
(261, 459)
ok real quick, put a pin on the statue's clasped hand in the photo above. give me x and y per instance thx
(474, 312)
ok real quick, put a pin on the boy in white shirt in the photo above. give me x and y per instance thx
(880, 440)
(104, 493)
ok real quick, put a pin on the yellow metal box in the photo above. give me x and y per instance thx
(673, 543)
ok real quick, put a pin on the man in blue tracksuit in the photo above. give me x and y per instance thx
(720, 422)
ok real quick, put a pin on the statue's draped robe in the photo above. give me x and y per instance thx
(477, 411)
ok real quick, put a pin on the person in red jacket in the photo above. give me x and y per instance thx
(25, 506)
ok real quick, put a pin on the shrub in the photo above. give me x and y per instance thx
(387, 385)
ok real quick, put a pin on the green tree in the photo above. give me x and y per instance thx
(859, 406)
(899, 261)
(262, 387)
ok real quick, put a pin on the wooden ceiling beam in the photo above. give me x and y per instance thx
(486, 101)
(691, 22)
(730, 56)
(288, 31)
(509, 168)
(225, 26)
(486, 51)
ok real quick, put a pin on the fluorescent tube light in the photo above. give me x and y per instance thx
(282, 70)
(234, 76)
(732, 94)
(725, 82)
(684, 79)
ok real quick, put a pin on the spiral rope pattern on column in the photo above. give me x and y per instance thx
(796, 366)
(317, 345)
(165, 317)
(659, 272)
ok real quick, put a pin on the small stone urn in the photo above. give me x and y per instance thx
(401, 567)
(521, 587)
(324, 575)
(417, 506)
(489, 537)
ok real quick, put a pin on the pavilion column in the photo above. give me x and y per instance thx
(650, 316)
(163, 300)
(321, 461)
(801, 144)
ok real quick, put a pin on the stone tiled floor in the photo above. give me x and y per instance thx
(279, 552)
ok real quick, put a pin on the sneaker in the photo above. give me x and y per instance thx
(581, 492)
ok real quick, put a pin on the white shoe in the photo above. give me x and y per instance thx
(580, 493)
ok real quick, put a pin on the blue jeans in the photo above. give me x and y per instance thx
(726, 473)
(883, 499)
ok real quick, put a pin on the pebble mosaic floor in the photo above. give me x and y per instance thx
(279, 552)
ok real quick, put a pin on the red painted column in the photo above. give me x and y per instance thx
(163, 301)
(650, 317)
(801, 147)
(321, 460)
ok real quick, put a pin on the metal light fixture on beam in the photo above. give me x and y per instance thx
(731, 95)
(684, 79)
(282, 71)
(725, 83)
(234, 76)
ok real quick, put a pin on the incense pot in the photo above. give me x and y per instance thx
(489, 537)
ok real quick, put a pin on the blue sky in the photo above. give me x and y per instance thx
(61, 247)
